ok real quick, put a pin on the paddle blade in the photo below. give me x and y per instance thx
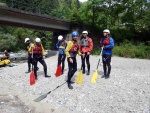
(79, 78)
(94, 77)
(58, 71)
(40, 98)
(32, 78)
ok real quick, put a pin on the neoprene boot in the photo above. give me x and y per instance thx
(28, 71)
(104, 68)
(35, 76)
(70, 86)
(108, 74)
(88, 73)
(37, 68)
(83, 70)
(45, 72)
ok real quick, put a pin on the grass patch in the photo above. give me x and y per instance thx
(129, 50)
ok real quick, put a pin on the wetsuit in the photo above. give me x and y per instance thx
(72, 50)
(108, 44)
(61, 45)
(29, 56)
(86, 46)
(38, 53)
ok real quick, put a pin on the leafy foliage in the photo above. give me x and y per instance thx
(8, 42)
(128, 21)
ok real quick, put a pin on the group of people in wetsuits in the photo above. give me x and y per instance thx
(70, 49)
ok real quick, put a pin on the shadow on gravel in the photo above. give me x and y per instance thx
(12, 104)
(40, 73)
(100, 72)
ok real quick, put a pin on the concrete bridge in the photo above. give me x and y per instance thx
(19, 18)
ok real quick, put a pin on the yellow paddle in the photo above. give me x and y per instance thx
(79, 78)
(95, 74)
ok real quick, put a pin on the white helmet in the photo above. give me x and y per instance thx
(60, 37)
(85, 32)
(26, 39)
(106, 31)
(37, 40)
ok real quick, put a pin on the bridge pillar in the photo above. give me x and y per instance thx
(55, 37)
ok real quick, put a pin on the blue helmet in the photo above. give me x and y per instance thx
(74, 34)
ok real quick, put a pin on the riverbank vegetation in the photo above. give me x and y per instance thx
(128, 21)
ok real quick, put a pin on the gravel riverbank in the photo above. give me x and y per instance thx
(126, 91)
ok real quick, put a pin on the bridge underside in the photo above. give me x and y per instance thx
(19, 18)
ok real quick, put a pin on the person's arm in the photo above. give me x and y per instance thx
(90, 44)
(43, 51)
(69, 45)
(101, 43)
(30, 48)
(57, 45)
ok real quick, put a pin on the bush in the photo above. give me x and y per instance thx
(132, 51)
(129, 50)
(8, 42)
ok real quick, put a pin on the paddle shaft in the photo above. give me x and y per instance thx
(99, 58)
(32, 59)
(98, 64)
(56, 88)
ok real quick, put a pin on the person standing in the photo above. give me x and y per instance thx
(28, 44)
(38, 55)
(72, 50)
(107, 43)
(61, 45)
(86, 48)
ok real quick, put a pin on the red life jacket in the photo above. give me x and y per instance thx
(105, 41)
(75, 47)
(37, 49)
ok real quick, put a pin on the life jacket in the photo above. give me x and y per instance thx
(62, 44)
(86, 45)
(75, 47)
(84, 42)
(105, 41)
(37, 49)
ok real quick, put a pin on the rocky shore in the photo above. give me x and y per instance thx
(126, 91)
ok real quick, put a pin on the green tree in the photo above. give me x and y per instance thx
(8, 42)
